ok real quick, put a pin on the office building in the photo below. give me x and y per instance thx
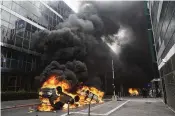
(162, 15)
(19, 20)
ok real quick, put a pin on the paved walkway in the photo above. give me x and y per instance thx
(144, 107)
(18, 103)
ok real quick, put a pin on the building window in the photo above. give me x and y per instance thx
(13, 83)
(5, 15)
(7, 4)
(18, 41)
(25, 44)
(173, 62)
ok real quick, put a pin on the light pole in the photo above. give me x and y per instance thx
(113, 76)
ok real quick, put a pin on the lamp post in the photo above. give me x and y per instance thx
(113, 76)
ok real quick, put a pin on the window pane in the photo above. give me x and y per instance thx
(15, 54)
(4, 23)
(10, 39)
(6, 37)
(3, 33)
(18, 9)
(27, 35)
(28, 67)
(7, 63)
(12, 27)
(28, 27)
(13, 19)
(20, 34)
(5, 15)
(54, 22)
(7, 4)
(14, 6)
(12, 33)
(22, 11)
(50, 20)
(29, 58)
(34, 28)
(8, 54)
(18, 2)
(25, 44)
(173, 61)
(14, 63)
(19, 41)
(20, 27)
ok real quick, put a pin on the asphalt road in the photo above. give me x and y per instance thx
(126, 107)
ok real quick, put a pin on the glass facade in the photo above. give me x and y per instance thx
(163, 24)
(19, 20)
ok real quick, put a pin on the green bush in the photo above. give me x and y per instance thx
(20, 95)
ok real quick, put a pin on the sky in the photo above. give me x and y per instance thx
(73, 4)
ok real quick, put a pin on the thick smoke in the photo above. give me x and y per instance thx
(134, 54)
(74, 72)
(77, 38)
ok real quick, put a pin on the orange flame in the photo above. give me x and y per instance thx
(54, 82)
(133, 91)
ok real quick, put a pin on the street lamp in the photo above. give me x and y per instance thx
(113, 76)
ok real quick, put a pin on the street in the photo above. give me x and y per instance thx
(126, 107)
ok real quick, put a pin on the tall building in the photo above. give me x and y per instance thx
(163, 25)
(19, 20)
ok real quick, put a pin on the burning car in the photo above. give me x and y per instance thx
(55, 94)
(63, 85)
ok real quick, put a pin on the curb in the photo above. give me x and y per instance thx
(18, 106)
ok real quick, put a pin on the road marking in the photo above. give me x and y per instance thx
(171, 109)
(116, 108)
(97, 106)
(95, 114)
(168, 106)
(92, 114)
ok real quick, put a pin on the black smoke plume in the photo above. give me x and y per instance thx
(75, 71)
(77, 38)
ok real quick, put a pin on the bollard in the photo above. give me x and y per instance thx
(68, 109)
(89, 109)
(36, 113)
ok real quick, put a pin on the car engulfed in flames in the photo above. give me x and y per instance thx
(56, 93)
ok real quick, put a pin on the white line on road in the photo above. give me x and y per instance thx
(168, 106)
(116, 108)
(95, 114)
(92, 114)
(97, 106)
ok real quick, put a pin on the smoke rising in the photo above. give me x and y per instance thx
(79, 38)
(72, 71)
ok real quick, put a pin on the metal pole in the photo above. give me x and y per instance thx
(105, 82)
(89, 109)
(68, 109)
(113, 79)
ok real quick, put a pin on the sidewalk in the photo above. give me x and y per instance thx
(18, 103)
(144, 107)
